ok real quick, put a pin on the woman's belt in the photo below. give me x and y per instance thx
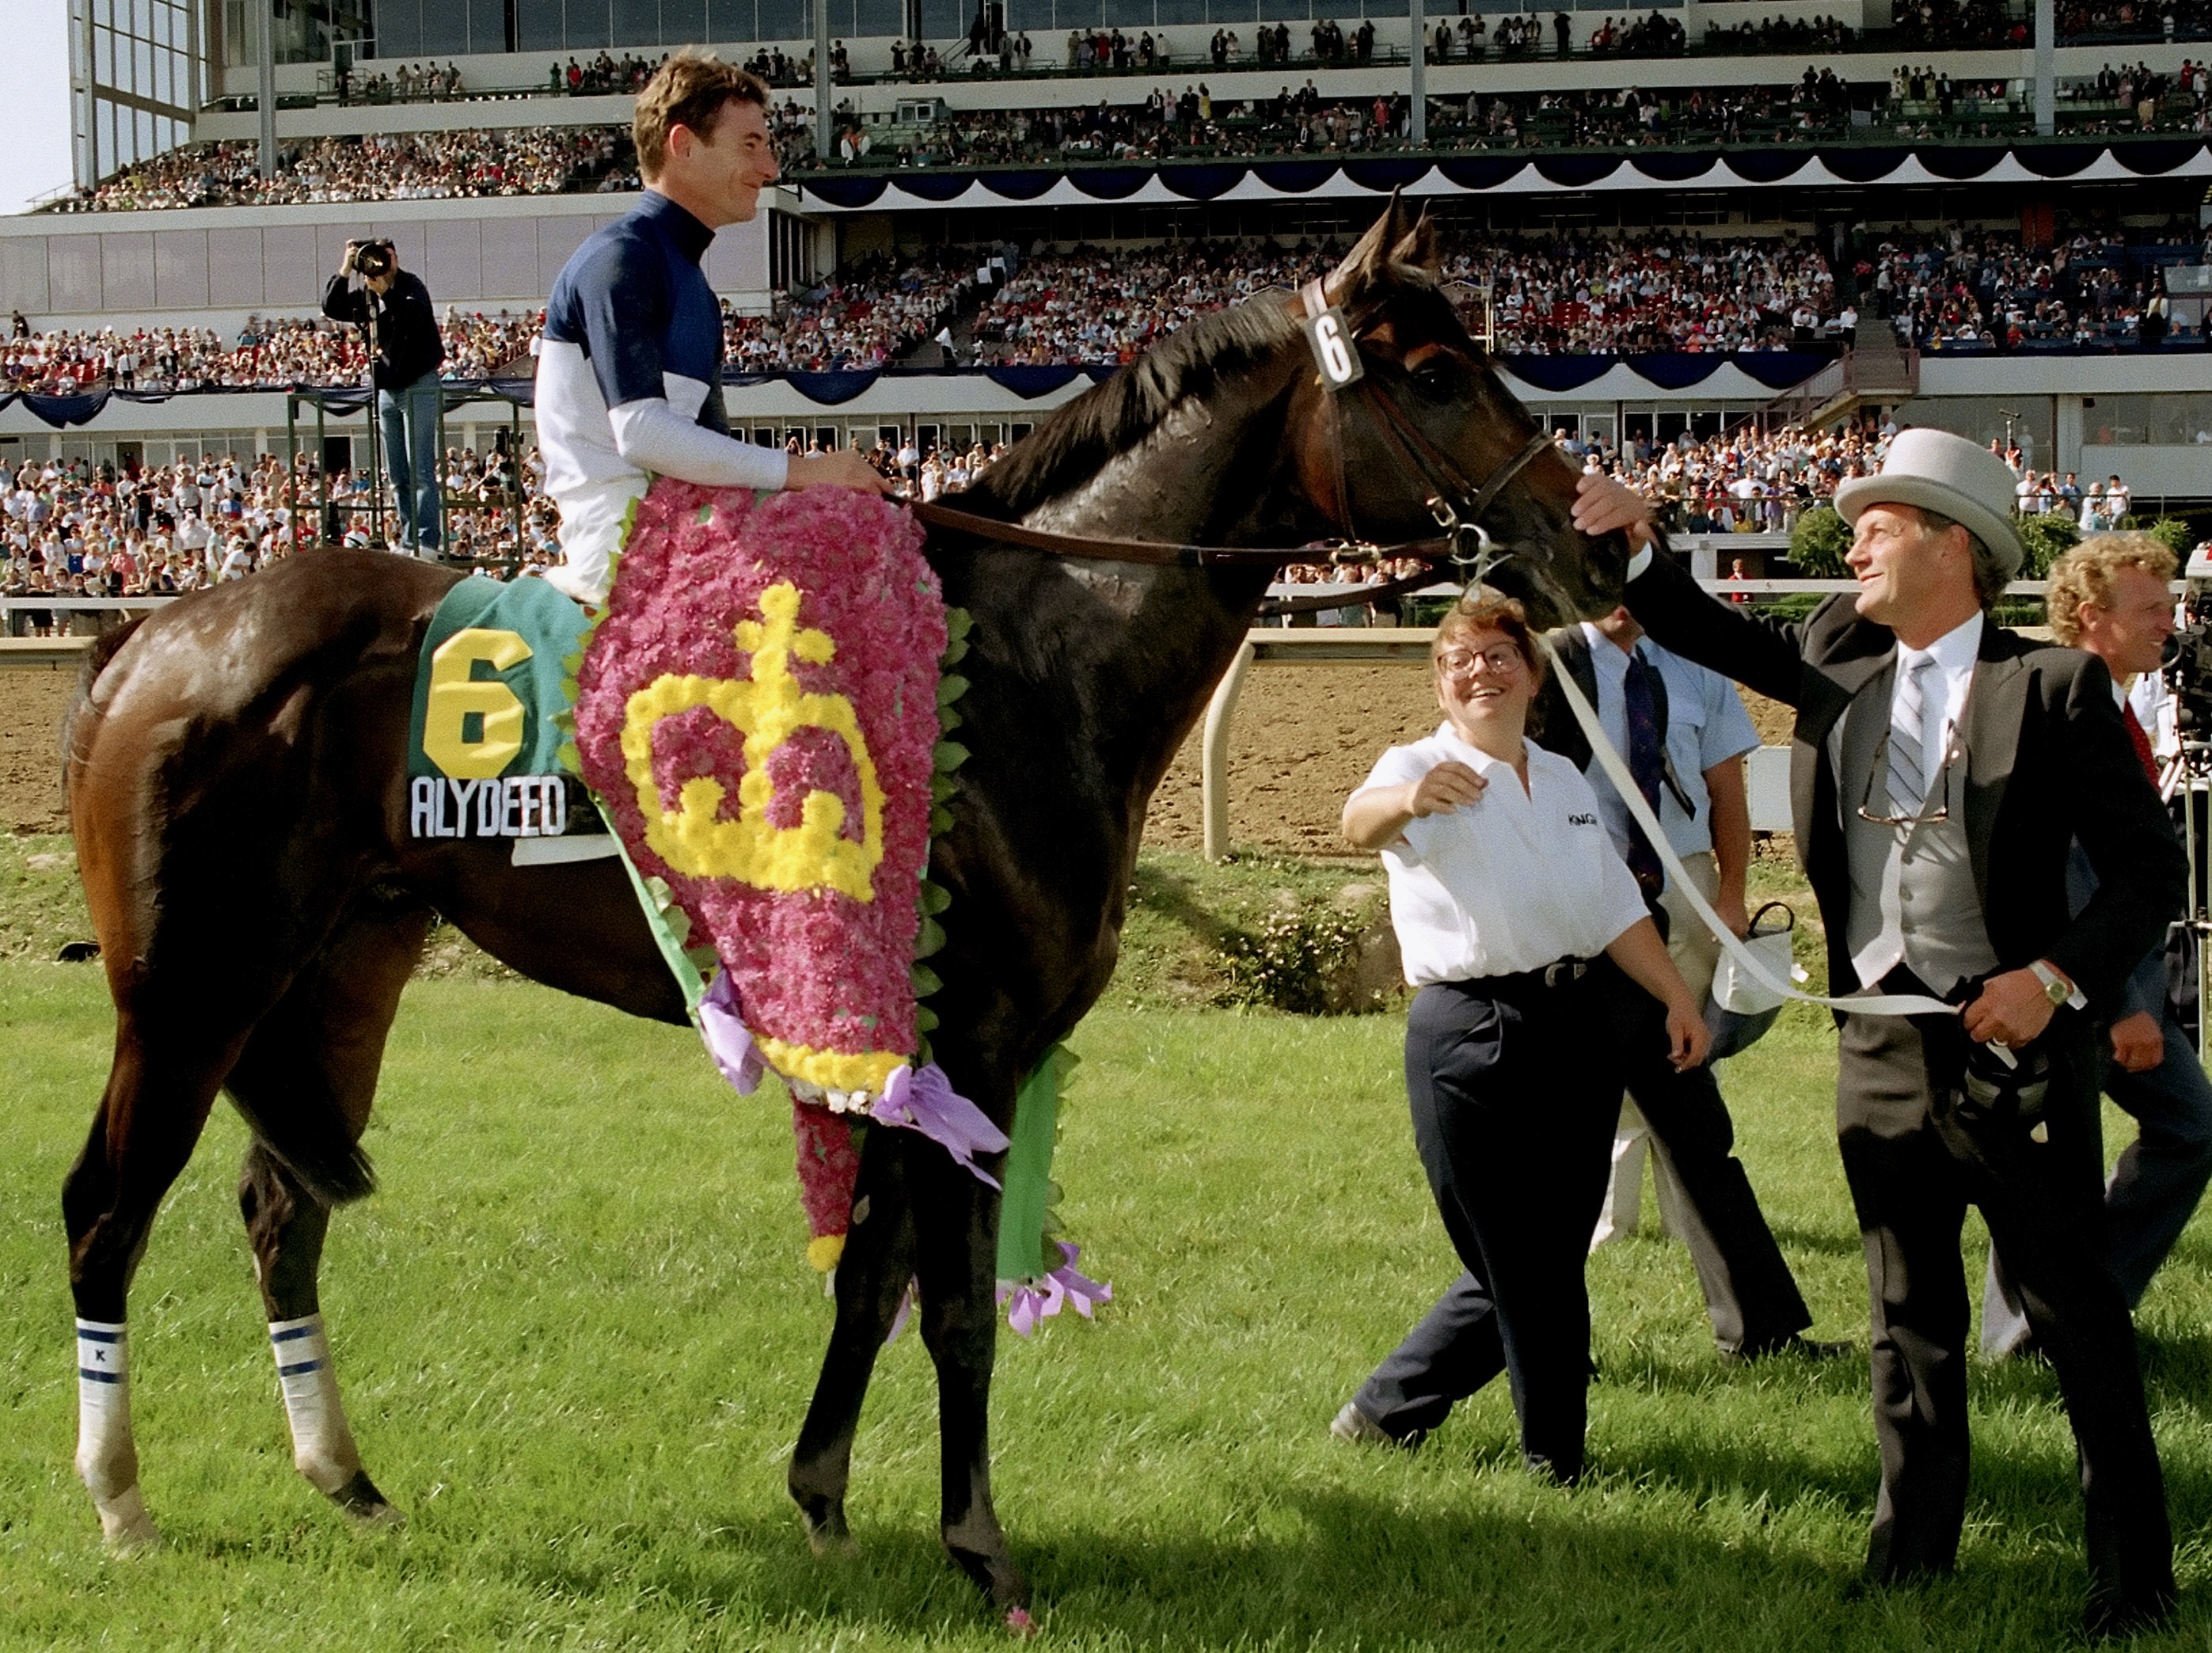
(1560, 972)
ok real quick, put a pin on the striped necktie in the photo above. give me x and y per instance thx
(1908, 725)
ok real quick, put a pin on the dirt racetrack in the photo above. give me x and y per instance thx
(32, 702)
(1304, 735)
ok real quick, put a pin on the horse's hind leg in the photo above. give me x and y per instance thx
(872, 1279)
(306, 1080)
(955, 1270)
(159, 1092)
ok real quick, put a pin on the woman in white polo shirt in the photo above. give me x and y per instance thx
(1521, 928)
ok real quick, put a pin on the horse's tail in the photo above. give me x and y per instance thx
(105, 647)
(314, 1145)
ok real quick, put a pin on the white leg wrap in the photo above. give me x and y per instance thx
(106, 1456)
(322, 1446)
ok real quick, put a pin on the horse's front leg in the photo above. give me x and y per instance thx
(872, 1279)
(955, 1270)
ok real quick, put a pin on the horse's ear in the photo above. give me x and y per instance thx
(1417, 248)
(1371, 254)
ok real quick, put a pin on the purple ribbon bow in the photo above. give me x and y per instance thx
(922, 1099)
(728, 1039)
(1031, 1303)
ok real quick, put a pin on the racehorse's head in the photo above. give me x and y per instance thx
(1429, 425)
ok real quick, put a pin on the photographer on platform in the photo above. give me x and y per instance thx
(394, 306)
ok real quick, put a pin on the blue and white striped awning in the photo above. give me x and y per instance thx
(1506, 173)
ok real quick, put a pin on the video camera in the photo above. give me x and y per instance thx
(2188, 667)
(374, 260)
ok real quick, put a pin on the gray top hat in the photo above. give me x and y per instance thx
(1938, 471)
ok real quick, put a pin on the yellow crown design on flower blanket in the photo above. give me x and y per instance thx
(770, 707)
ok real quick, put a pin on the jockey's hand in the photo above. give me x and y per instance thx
(2138, 1042)
(1603, 506)
(1448, 785)
(844, 468)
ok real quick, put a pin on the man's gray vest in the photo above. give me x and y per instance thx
(1923, 874)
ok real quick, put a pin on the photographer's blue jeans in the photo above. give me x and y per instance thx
(409, 418)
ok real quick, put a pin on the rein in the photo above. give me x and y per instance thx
(1457, 502)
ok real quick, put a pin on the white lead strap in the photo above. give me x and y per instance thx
(1616, 770)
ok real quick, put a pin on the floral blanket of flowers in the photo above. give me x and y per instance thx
(762, 708)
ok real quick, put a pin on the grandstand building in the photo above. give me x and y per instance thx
(1667, 221)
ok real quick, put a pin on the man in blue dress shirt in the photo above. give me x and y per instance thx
(1683, 732)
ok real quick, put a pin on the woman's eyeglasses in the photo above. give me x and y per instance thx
(1498, 662)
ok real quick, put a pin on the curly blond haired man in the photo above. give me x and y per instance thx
(2109, 596)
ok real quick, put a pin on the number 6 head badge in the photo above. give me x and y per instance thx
(1329, 335)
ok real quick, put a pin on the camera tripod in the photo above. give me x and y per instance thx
(2192, 794)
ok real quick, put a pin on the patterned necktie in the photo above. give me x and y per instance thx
(1908, 725)
(1645, 765)
(2142, 742)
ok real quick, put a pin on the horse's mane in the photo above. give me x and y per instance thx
(1115, 416)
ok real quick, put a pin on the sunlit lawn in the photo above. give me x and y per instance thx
(577, 1336)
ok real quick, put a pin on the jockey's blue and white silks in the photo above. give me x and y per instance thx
(629, 372)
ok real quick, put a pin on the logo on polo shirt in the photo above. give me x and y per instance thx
(1582, 820)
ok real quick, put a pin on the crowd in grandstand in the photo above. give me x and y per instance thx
(1588, 294)
(267, 352)
(379, 166)
(71, 528)
(1561, 294)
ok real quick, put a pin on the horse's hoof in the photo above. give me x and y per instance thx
(996, 1576)
(366, 1507)
(126, 1528)
(827, 1534)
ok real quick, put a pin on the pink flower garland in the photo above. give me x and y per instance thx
(822, 975)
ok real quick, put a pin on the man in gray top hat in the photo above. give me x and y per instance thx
(1943, 771)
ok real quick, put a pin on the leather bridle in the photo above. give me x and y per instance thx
(1456, 499)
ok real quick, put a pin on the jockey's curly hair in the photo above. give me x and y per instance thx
(2086, 573)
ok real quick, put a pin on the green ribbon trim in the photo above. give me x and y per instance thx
(1025, 1216)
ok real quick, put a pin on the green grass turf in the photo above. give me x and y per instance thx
(577, 1336)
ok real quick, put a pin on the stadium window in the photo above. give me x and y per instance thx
(877, 17)
(587, 25)
(780, 20)
(1182, 11)
(945, 19)
(1127, 13)
(444, 28)
(637, 22)
(1286, 11)
(683, 22)
(398, 28)
(538, 26)
(734, 19)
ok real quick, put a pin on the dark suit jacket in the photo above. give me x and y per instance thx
(2048, 762)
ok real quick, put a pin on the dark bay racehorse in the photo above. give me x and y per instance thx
(237, 774)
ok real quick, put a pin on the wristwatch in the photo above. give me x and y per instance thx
(2056, 988)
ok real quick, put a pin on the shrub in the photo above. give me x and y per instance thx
(1818, 543)
(2173, 533)
(2048, 537)
(1287, 962)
